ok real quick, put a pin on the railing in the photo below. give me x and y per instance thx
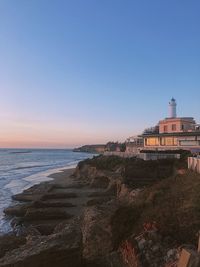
(194, 164)
(144, 156)
(120, 154)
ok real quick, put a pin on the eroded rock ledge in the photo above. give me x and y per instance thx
(109, 212)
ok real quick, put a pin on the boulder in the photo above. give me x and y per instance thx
(62, 249)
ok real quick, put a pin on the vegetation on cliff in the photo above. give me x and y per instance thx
(170, 196)
(113, 202)
(136, 172)
(173, 203)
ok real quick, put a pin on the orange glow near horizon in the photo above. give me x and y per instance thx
(40, 134)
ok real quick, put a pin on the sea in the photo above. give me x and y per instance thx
(23, 168)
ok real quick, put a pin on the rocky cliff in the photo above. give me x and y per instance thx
(113, 212)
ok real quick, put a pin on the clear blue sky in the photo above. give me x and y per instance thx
(90, 71)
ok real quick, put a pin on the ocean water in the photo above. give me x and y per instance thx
(22, 168)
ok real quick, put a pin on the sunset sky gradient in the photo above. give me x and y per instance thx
(84, 72)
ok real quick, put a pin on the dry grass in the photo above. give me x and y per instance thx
(174, 203)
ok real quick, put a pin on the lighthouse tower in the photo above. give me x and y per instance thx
(172, 108)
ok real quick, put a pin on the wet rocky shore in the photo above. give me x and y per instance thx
(103, 213)
(46, 221)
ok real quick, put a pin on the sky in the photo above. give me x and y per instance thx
(76, 72)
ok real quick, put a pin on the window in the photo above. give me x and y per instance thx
(168, 141)
(152, 141)
(175, 141)
(162, 141)
(165, 128)
(173, 127)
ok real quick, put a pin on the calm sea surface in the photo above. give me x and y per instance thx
(22, 168)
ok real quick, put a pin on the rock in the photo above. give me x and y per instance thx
(98, 201)
(86, 172)
(46, 214)
(9, 242)
(72, 186)
(99, 194)
(24, 228)
(172, 255)
(54, 203)
(62, 225)
(155, 248)
(96, 230)
(39, 188)
(112, 259)
(141, 243)
(15, 222)
(58, 195)
(112, 188)
(24, 197)
(33, 193)
(100, 182)
(62, 249)
(18, 210)
(21, 230)
(45, 227)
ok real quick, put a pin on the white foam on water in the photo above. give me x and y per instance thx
(19, 171)
(19, 185)
(44, 176)
(15, 186)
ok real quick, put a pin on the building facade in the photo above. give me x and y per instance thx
(173, 133)
(134, 144)
(177, 125)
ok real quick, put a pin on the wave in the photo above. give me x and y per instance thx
(29, 167)
(18, 173)
(21, 152)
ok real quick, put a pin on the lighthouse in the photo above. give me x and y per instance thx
(172, 108)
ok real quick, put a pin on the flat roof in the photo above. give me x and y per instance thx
(171, 134)
(184, 118)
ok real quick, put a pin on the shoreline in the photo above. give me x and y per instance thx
(37, 179)
(60, 175)
(95, 215)
(45, 176)
(33, 196)
(46, 204)
(24, 171)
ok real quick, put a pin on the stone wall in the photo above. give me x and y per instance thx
(120, 154)
(144, 156)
